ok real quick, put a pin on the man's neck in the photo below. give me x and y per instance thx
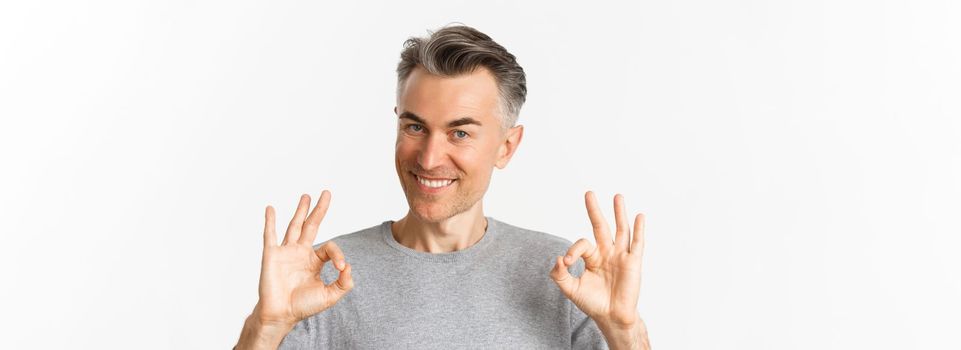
(452, 234)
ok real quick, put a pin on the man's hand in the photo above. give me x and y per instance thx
(290, 285)
(607, 291)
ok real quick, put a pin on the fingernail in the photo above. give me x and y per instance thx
(340, 264)
(568, 259)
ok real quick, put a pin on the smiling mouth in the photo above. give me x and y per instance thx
(434, 183)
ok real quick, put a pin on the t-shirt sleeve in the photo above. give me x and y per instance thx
(584, 332)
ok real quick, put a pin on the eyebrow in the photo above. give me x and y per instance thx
(455, 123)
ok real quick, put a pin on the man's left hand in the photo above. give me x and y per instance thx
(608, 289)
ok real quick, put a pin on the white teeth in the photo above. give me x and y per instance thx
(434, 183)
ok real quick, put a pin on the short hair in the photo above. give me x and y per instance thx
(459, 49)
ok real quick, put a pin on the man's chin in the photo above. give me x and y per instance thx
(431, 213)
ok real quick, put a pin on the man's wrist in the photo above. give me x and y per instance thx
(624, 336)
(261, 334)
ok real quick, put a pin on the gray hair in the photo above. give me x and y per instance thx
(456, 50)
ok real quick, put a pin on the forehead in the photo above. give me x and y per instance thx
(439, 98)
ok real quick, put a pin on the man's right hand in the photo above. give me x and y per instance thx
(290, 285)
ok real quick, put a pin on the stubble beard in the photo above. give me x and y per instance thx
(434, 208)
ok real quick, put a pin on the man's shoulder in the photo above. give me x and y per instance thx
(531, 241)
(360, 238)
(526, 240)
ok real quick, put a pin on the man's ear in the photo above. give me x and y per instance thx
(509, 146)
(395, 110)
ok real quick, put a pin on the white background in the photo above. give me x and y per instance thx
(799, 161)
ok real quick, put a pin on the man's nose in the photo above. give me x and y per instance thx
(432, 152)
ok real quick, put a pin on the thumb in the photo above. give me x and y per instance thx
(565, 281)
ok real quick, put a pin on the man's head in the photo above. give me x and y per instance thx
(459, 94)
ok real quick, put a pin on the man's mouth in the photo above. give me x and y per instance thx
(435, 183)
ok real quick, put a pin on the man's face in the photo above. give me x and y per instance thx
(449, 139)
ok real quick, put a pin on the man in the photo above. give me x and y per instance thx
(445, 276)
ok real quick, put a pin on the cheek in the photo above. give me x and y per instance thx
(405, 148)
(476, 164)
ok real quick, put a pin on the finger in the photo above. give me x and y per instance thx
(637, 246)
(622, 233)
(327, 295)
(339, 287)
(293, 229)
(565, 281)
(314, 219)
(330, 251)
(344, 282)
(583, 249)
(601, 232)
(270, 234)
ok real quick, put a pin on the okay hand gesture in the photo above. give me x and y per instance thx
(290, 285)
(607, 291)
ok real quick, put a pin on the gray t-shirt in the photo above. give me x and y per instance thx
(495, 294)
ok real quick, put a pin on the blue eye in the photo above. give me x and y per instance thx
(460, 134)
